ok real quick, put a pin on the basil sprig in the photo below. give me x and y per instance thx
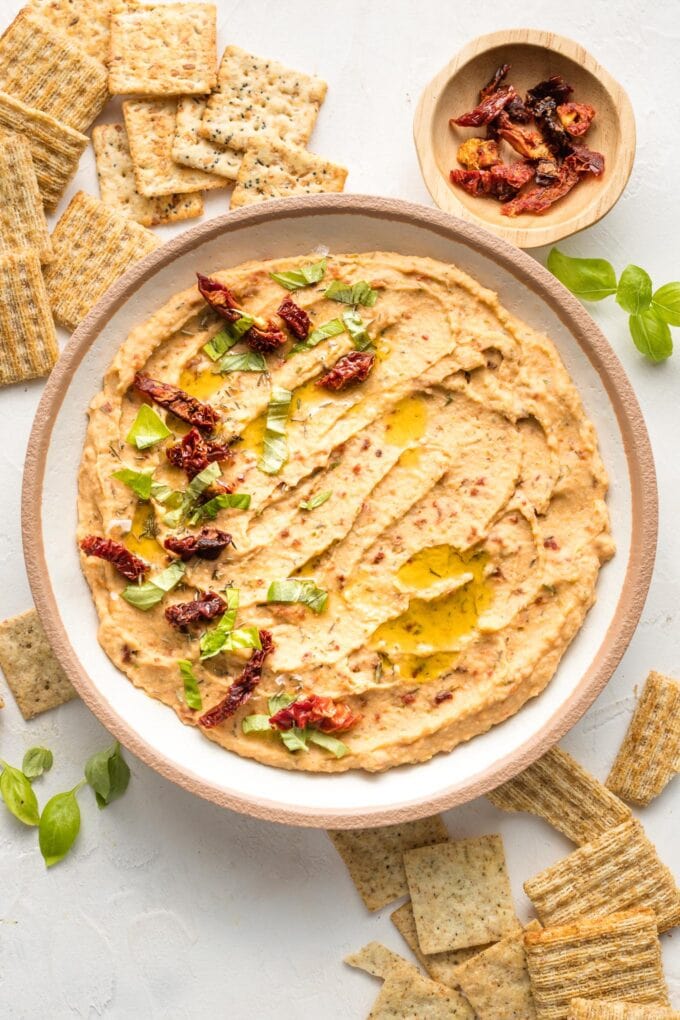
(359, 293)
(317, 500)
(108, 774)
(59, 825)
(192, 693)
(303, 276)
(275, 446)
(36, 761)
(147, 429)
(147, 595)
(18, 795)
(298, 589)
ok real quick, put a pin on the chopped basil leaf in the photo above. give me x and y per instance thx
(280, 701)
(138, 481)
(147, 429)
(357, 329)
(329, 743)
(203, 480)
(275, 448)
(294, 589)
(192, 694)
(220, 344)
(164, 494)
(256, 724)
(316, 501)
(209, 511)
(213, 640)
(294, 279)
(295, 739)
(359, 293)
(332, 328)
(145, 596)
(248, 361)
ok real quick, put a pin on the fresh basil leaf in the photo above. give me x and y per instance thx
(165, 495)
(138, 481)
(295, 589)
(147, 429)
(333, 328)
(359, 293)
(589, 279)
(108, 774)
(197, 486)
(256, 724)
(316, 501)
(241, 638)
(651, 335)
(147, 595)
(192, 694)
(303, 276)
(18, 795)
(634, 292)
(220, 344)
(295, 739)
(248, 361)
(209, 511)
(36, 761)
(357, 329)
(59, 825)
(279, 701)
(329, 743)
(213, 640)
(666, 303)
(275, 447)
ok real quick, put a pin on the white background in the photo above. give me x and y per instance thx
(170, 907)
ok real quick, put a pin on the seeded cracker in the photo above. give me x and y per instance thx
(117, 183)
(28, 343)
(616, 957)
(618, 871)
(378, 960)
(23, 226)
(85, 22)
(35, 678)
(601, 1009)
(274, 170)
(93, 246)
(496, 982)
(55, 147)
(460, 893)
(440, 966)
(150, 127)
(650, 754)
(42, 68)
(257, 98)
(189, 149)
(163, 50)
(558, 789)
(374, 857)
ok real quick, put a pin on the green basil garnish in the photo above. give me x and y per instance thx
(651, 335)
(316, 501)
(138, 481)
(328, 743)
(256, 724)
(666, 303)
(18, 795)
(108, 774)
(303, 276)
(59, 825)
(196, 487)
(297, 589)
(634, 291)
(147, 595)
(248, 361)
(357, 329)
(147, 429)
(209, 511)
(275, 447)
(332, 328)
(213, 640)
(359, 293)
(295, 739)
(36, 761)
(192, 694)
(589, 279)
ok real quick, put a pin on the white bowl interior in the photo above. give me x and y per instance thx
(156, 725)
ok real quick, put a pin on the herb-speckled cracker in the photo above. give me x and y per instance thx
(45, 70)
(163, 49)
(190, 149)
(496, 981)
(558, 789)
(28, 343)
(150, 127)
(377, 960)
(85, 22)
(607, 1009)
(274, 170)
(460, 893)
(93, 246)
(23, 226)
(117, 183)
(616, 957)
(36, 679)
(650, 754)
(617, 871)
(440, 966)
(374, 857)
(257, 98)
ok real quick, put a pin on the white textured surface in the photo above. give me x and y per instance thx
(169, 907)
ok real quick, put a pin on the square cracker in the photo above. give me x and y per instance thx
(28, 342)
(163, 49)
(257, 98)
(55, 147)
(617, 957)
(558, 789)
(650, 753)
(608, 1009)
(36, 679)
(273, 170)
(93, 246)
(150, 125)
(441, 967)
(496, 981)
(85, 22)
(45, 70)
(617, 871)
(23, 226)
(460, 893)
(374, 857)
(117, 183)
(189, 149)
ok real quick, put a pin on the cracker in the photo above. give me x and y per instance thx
(650, 754)
(378, 960)
(42, 68)
(460, 893)
(150, 125)
(274, 170)
(23, 226)
(601, 1009)
(35, 678)
(256, 97)
(189, 149)
(163, 49)
(28, 342)
(558, 789)
(117, 183)
(374, 857)
(617, 956)
(496, 981)
(55, 147)
(93, 246)
(440, 966)
(617, 871)
(85, 22)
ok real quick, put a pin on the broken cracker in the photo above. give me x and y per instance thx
(496, 981)
(377, 960)
(374, 857)
(257, 98)
(28, 342)
(163, 49)
(440, 966)
(46, 71)
(271, 169)
(460, 893)
(616, 956)
(35, 678)
(117, 183)
(649, 756)
(85, 22)
(189, 149)
(93, 247)
(23, 226)
(608, 1009)
(620, 870)
(558, 789)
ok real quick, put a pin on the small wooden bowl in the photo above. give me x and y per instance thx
(533, 56)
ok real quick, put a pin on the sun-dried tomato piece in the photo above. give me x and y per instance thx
(207, 544)
(352, 368)
(219, 297)
(518, 111)
(545, 112)
(243, 687)
(501, 182)
(576, 118)
(207, 606)
(585, 160)
(537, 200)
(265, 338)
(529, 142)
(312, 710)
(487, 110)
(194, 452)
(478, 154)
(547, 171)
(295, 318)
(180, 403)
(495, 80)
(125, 562)
(554, 87)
